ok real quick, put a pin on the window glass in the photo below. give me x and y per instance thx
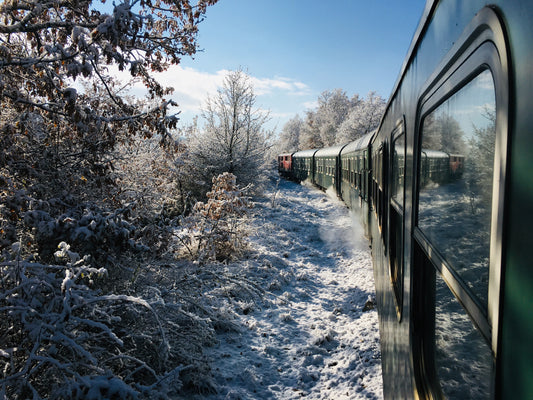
(455, 181)
(398, 164)
(463, 358)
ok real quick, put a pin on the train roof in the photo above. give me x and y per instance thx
(332, 151)
(435, 153)
(305, 153)
(358, 144)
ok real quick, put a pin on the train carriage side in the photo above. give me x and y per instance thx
(454, 282)
(355, 164)
(303, 166)
(327, 167)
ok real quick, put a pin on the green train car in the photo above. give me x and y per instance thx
(303, 167)
(327, 162)
(444, 187)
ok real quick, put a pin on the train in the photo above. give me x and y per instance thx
(444, 188)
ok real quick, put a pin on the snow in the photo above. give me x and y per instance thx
(315, 332)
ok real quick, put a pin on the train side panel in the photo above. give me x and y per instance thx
(327, 167)
(354, 177)
(303, 165)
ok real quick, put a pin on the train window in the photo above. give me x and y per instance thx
(365, 168)
(455, 184)
(380, 172)
(396, 217)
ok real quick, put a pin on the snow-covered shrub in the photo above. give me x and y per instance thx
(61, 338)
(40, 224)
(154, 183)
(216, 229)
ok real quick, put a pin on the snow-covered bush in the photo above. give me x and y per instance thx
(216, 229)
(63, 339)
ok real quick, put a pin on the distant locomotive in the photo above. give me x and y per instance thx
(285, 164)
(444, 190)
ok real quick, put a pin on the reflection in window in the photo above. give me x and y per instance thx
(463, 358)
(396, 219)
(456, 168)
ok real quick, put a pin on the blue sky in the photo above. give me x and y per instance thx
(296, 49)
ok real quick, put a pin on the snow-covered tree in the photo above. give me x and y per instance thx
(338, 119)
(58, 140)
(333, 108)
(290, 135)
(363, 117)
(234, 138)
(480, 159)
(442, 132)
(45, 45)
(310, 133)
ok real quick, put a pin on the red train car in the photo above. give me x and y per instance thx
(285, 164)
(457, 163)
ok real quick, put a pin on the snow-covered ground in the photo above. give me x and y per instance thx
(315, 333)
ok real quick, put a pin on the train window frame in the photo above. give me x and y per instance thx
(383, 164)
(396, 215)
(482, 46)
(397, 133)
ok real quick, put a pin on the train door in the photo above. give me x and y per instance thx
(396, 213)
(337, 166)
(457, 233)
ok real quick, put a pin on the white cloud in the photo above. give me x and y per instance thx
(192, 87)
(301, 86)
(282, 115)
(263, 86)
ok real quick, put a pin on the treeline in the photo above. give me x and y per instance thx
(337, 119)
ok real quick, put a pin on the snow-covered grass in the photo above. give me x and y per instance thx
(314, 332)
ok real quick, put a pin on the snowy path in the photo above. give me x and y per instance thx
(310, 337)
